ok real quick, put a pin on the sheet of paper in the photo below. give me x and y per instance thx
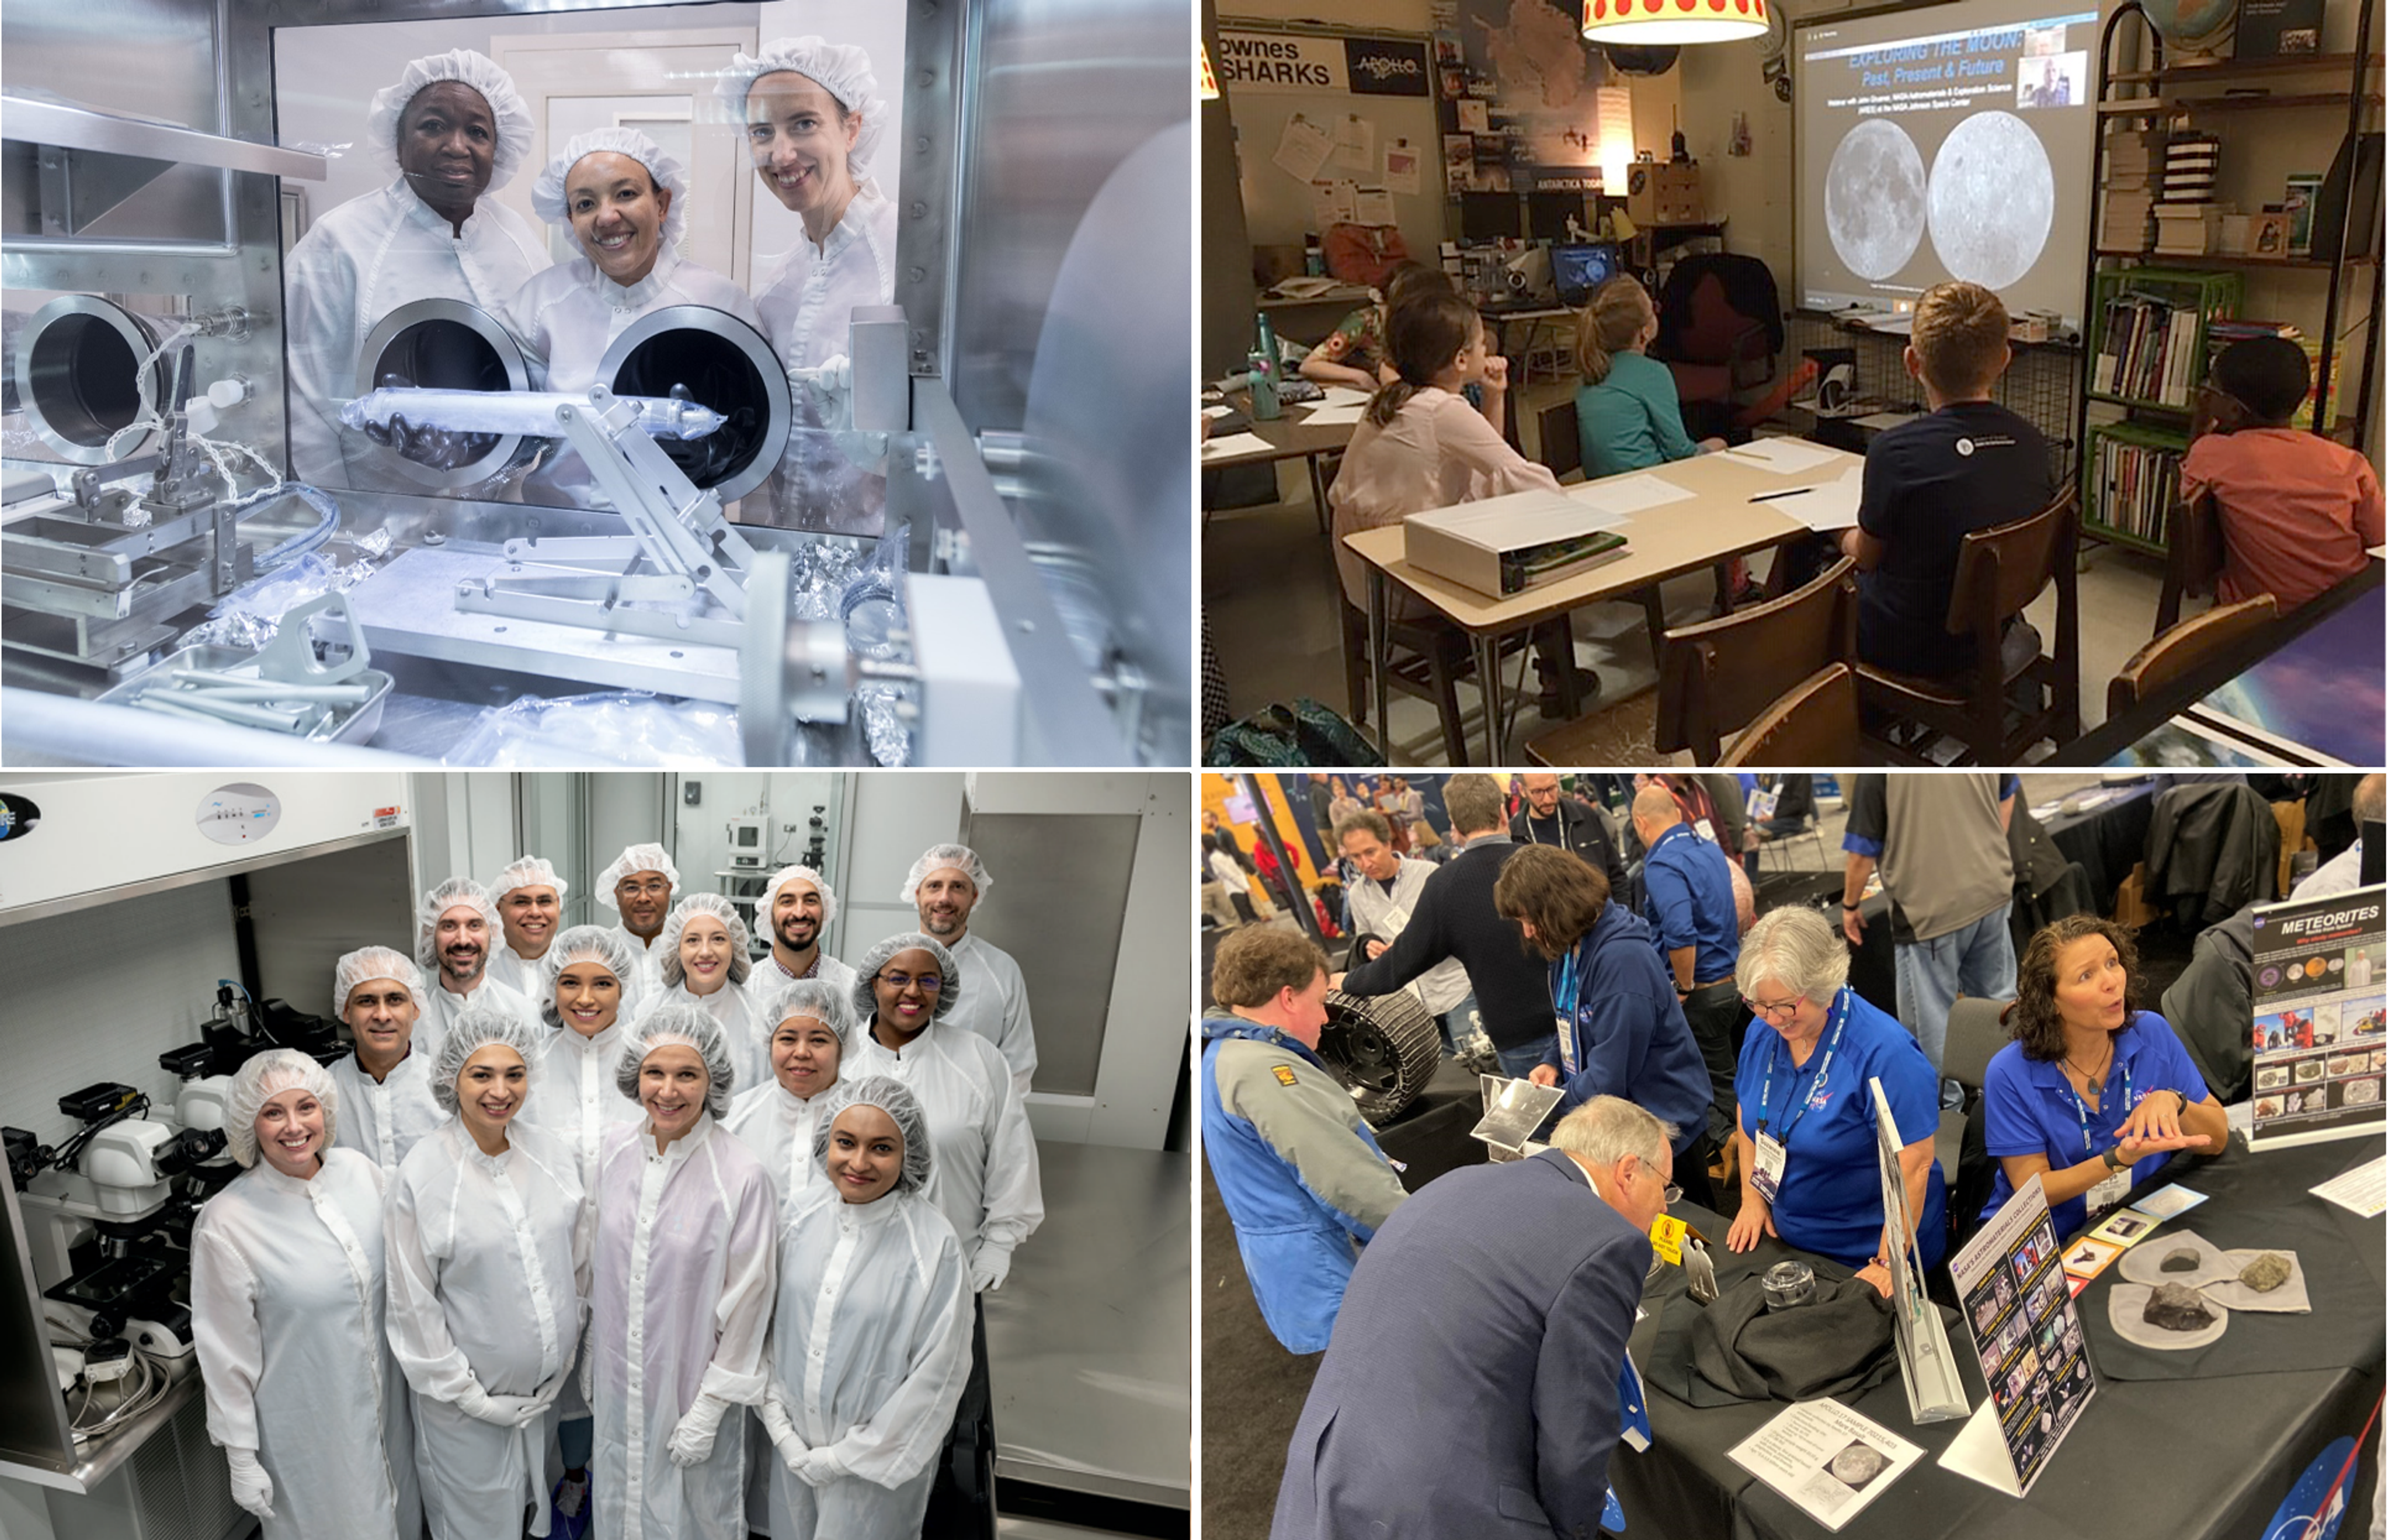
(1400, 166)
(1324, 204)
(1374, 206)
(2125, 1228)
(1329, 416)
(1303, 148)
(1220, 412)
(2378, 551)
(2359, 1190)
(1356, 137)
(1306, 286)
(1624, 495)
(1826, 1459)
(1343, 395)
(1470, 116)
(1234, 443)
(1787, 455)
(1829, 505)
(2169, 1201)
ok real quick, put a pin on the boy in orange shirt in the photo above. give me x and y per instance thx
(2298, 512)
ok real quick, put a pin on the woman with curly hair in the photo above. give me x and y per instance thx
(2093, 1093)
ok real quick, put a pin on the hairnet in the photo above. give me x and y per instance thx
(548, 192)
(867, 1006)
(603, 944)
(635, 858)
(692, 1026)
(478, 1027)
(891, 1097)
(818, 997)
(529, 871)
(508, 113)
(842, 69)
(958, 856)
(454, 893)
(782, 879)
(374, 962)
(669, 961)
(263, 1077)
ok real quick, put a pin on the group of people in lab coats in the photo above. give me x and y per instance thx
(454, 127)
(702, 1233)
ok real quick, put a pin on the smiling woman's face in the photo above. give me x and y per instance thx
(798, 137)
(705, 954)
(907, 990)
(291, 1132)
(672, 1089)
(588, 996)
(447, 145)
(619, 214)
(867, 1152)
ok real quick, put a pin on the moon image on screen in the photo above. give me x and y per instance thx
(1877, 199)
(1989, 200)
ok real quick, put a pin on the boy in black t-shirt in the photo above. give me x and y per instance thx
(1968, 465)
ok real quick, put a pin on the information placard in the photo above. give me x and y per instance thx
(2021, 1319)
(2317, 1019)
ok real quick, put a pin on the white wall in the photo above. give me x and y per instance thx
(896, 817)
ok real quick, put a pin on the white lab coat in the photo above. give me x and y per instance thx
(871, 1346)
(287, 1318)
(682, 1294)
(769, 975)
(355, 265)
(805, 301)
(985, 1165)
(779, 1128)
(574, 1100)
(568, 315)
(520, 973)
(731, 1006)
(1385, 914)
(383, 1120)
(489, 1267)
(441, 1009)
(994, 1002)
(652, 956)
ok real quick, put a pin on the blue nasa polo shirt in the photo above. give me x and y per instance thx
(1829, 1202)
(2031, 1109)
(1689, 901)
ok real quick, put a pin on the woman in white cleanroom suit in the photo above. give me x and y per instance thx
(683, 1291)
(813, 114)
(453, 128)
(487, 1242)
(287, 1318)
(871, 1327)
(702, 960)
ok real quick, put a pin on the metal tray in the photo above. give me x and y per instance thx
(346, 725)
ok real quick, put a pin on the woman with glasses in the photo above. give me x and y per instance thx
(1618, 1028)
(1806, 1123)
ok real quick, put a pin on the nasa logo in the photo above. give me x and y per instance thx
(1966, 447)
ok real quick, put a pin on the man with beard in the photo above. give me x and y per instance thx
(530, 897)
(1545, 818)
(795, 907)
(639, 886)
(944, 887)
(452, 935)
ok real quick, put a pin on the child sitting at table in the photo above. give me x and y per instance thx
(1628, 408)
(1356, 354)
(1967, 465)
(1422, 446)
(2298, 512)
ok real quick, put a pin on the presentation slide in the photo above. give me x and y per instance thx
(1949, 142)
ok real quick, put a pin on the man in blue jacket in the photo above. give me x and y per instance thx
(1304, 1181)
(1478, 1381)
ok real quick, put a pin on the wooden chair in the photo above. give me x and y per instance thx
(2000, 571)
(2196, 553)
(1426, 660)
(2182, 648)
(1816, 722)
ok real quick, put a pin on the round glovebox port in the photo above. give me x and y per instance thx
(723, 363)
(445, 344)
(76, 374)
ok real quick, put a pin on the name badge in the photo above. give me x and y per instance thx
(2110, 1192)
(1703, 827)
(1768, 1166)
(1568, 1040)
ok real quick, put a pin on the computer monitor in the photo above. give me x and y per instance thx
(1491, 216)
(1581, 270)
(1549, 215)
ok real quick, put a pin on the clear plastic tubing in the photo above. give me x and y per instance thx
(531, 413)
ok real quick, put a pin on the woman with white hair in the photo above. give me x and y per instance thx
(871, 1337)
(287, 1318)
(488, 1249)
(387, 1080)
(625, 202)
(451, 129)
(682, 1290)
(813, 115)
(702, 960)
(1806, 1122)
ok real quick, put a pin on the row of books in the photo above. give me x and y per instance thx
(2135, 485)
(2129, 158)
(2147, 350)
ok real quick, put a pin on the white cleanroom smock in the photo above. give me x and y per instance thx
(574, 1100)
(806, 302)
(741, 1020)
(489, 1265)
(779, 1128)
(985, 1173)
(287, 1318)
(769, 975)
(871, 1347)
(355, 265)
(382, 1119)
(651, 977)
(994, 1002)
(441, 1008)
(518, 972)
(681, 1295)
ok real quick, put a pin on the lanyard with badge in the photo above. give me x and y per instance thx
(1769, 1153)
(1565, 1012)
(2112, 1190)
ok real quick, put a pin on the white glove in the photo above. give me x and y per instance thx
(818, 1468)
(787, 1442)
(512, 1410)
(824, 395)
(252, 1487)
(475, 1403)
(989, 1266)
(692, 1436)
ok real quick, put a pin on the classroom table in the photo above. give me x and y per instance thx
(1720, 522)
(2189, 1459)
(1289, 437)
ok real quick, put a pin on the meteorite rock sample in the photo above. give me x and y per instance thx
(2174, 1307)
(2266, 1271)
(2184, 1259)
